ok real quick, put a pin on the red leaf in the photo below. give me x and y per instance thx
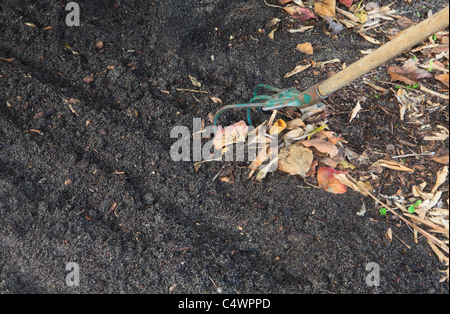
(300, 13)
(327, 181)
(347, 3)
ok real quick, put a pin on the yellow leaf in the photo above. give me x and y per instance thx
(361, 15)
(278, 127)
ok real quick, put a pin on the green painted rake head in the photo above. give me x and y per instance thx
(281, 99)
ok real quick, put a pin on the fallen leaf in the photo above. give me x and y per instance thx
(299, 13)
(297, 69)
(322, 146)
(334, 26)
(443, 78)
(273, 22)
(231, 134)
(99, 45)
(327, 181)
(272, 33)
(277, 127)
(295, 160)
(409, 73)
(442, 135)
(305, 48)
(301, 29)
(194, 81)
(391, 165)
(442, 158)
(259, 160)
(292, 134)
(402, 102)
(356, 187)
(216, 100)
(370, 39)
(355, 111)
(417, 191)
(425, 206)
(331, 136)
(88, 79)
(405, 22)
(347, 3)
(441, 177)
(295, 123)
(361, 14)
(325, 8)
(270, 167)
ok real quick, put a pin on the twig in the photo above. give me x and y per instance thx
(415, 155)
(215, 177)
(423, 232)
(273, 6)
(192, 90)
(429, 91)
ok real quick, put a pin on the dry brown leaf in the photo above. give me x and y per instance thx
(441, 177)
(442, 158)
(292, 134)
(442, 135)
(295, 160)
(259, 160)
(355, 111)
(300, 13)
(443, 78)
(305, 48)
(425, 206)
(391, 165)
(418, 192)
(331, 136)
(325, 8)
(409, 73)
(295, 123)
(322, 146)
(216, 100)
(299, 68)
(370, 39)
(270, 167)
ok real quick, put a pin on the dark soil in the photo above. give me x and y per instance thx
(63, 165)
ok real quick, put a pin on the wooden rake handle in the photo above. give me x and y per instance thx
(407, 39)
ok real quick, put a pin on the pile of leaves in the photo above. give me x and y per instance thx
(301, 144)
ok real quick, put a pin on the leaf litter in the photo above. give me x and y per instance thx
(306, 144)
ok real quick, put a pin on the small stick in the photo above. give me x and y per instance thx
(415, 155)
(429, 91)
(215, 177)
(423, 232)
(192, 90)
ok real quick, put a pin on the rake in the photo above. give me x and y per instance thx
(293, 98)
